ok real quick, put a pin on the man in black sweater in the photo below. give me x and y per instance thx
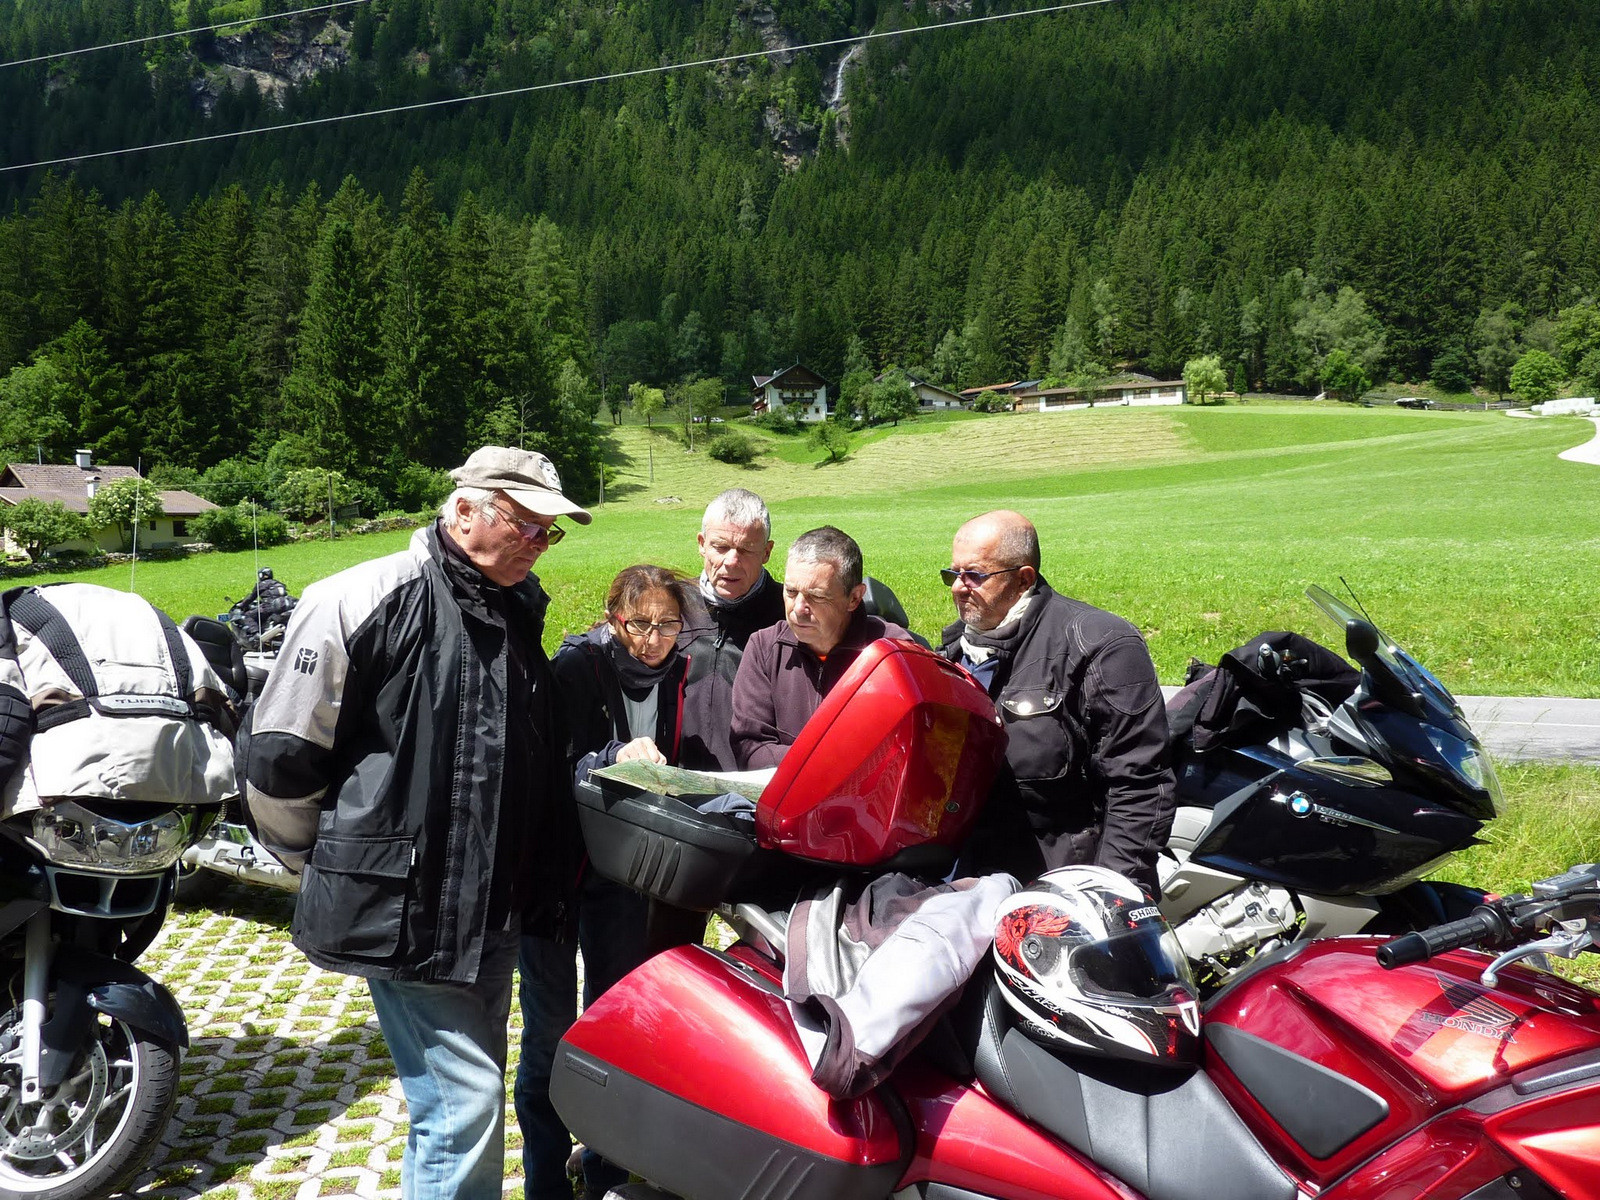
(740, 597)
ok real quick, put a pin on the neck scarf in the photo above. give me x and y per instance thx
(635, 674)
(715, 602)
(980, 645)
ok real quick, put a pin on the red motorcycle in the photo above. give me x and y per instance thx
(1344, 1069)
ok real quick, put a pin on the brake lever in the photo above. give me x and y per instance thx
(1566, 944)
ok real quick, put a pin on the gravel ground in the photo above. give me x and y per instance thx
(288, 1091)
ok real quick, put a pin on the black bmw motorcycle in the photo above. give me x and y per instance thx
(1312, 802)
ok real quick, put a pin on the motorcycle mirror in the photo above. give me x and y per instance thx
(1360, 639)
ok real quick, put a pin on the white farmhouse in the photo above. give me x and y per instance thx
(796, 388)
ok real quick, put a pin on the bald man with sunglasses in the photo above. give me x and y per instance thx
(1089, 779)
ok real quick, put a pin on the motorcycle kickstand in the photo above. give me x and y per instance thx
(35, 998)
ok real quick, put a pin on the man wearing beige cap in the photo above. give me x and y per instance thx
(407, 758)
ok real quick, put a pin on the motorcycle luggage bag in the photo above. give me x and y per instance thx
(125, 706)
(733, 1113)
(896, 761)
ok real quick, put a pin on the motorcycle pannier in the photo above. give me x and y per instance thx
(125, 707)
(898, 757)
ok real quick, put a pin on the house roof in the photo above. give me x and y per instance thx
(1016, 385)
(916, 381)
(796, 375)
(69, 485)
(1125, 385)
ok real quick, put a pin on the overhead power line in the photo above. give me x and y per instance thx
(156, 37)
(545, 87)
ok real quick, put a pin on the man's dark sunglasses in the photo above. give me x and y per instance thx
(972, 578)
(532, 530)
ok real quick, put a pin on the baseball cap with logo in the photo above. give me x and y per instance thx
(527, 477)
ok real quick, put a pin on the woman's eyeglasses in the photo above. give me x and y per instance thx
(972, 578)
(641, 628)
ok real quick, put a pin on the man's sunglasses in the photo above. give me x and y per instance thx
(532, 530)
(972, 578)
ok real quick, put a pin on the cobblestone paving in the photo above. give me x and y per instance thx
(287, 1091)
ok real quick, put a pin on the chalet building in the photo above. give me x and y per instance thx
(73, 484)
(1130, 393)
(990, 391)
(930, 396)
(797, 389)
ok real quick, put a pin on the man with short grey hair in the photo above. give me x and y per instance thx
(407, 757)
(790, 667)
(740, 597)
(1088, 779)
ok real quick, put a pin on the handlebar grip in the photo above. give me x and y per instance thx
(1425, 943)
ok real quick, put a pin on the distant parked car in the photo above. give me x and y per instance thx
(1414, 402)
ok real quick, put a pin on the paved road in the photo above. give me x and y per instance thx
(1531, 728)
(1528, 728)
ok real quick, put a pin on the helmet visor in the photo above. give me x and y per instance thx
(1132, 965)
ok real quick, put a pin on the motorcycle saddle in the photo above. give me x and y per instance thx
(1168, 1134)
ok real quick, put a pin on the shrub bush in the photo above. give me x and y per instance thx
(416, 488)
(240, 527)
(733, 448)
(832, 438)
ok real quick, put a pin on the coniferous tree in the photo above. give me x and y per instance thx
(419, 373)
(329, 396)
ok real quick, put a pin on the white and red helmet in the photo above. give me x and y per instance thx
(1090, 965)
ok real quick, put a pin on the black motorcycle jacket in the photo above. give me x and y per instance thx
(1088, 767)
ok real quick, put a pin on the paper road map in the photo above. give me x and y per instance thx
(675, 781)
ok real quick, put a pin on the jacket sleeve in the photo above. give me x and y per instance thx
(16, 714)
(757, 740)
(291, 755)
(1127, 733)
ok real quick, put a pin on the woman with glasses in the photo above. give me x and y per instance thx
(622, 681)
(621, 690)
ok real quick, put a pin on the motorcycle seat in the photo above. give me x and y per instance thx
(1169, 1134)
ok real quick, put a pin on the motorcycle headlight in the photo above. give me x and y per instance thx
(72, 835)
(1472, 764)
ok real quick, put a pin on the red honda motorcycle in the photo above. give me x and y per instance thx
(1344, 1069)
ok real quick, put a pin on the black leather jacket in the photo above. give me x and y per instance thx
(1089, 773)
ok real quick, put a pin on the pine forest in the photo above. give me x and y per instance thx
(1312, 191)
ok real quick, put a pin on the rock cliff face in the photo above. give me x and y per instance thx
(290, 53)
(275, 59)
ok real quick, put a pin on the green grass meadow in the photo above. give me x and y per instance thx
(1464, 534)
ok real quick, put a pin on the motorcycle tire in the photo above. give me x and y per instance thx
(105, 1118)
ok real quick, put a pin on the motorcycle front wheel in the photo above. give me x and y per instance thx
(93, 1132)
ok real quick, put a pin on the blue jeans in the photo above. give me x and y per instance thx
(611, 938)
(448, 1041)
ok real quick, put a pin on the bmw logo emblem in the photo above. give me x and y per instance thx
(1300, 804)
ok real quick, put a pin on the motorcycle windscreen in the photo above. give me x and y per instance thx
(1288, 831)
(899, 754)
(689, 1073)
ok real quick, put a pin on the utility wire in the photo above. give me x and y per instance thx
(156, 37)
(544, 87)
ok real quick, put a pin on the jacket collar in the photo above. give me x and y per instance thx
(477, 595)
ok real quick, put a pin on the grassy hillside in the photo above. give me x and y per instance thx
(1463, 533)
